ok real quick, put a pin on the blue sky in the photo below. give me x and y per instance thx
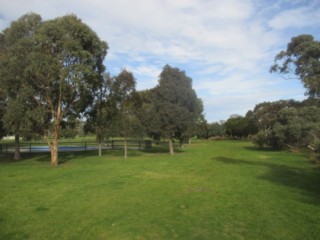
(226, 47)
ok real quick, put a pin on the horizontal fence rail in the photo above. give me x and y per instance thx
(33, 147)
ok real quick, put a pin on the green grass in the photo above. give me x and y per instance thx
(209, 190)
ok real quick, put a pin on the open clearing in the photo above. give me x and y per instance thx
(208, 190)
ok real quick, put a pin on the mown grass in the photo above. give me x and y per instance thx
(209, 190)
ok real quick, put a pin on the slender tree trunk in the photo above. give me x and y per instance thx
(99, 136)
(100, 149)
(57, 116)
(125, 148)
(54, 146)
(17, 155)
(171, 147)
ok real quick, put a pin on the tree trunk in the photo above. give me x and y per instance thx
(100, 139)
(100, 149)
(125, 148)
(17, 155)
(57, 115)
(54, 146)
(171, 147)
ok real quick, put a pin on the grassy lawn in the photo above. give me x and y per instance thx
(209, 190)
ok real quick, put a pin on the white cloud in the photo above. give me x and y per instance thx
(297, 18)
(226, 46)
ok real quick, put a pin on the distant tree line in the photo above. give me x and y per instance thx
(280, 124)
(52, 78)
(286, 123)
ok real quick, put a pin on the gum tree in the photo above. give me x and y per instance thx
(124, 121)
(65, 67)
(302, 58)
(16, 43)
(100, 114)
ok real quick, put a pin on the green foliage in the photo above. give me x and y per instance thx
(147, 113)
(302, 57)
(123, 99)
(176, 103)
(64, 64)
(238, 126)
(16, 43)
(15, 46)
(3, 106)
(284, 124)
(99, 116)
(212, 190)
(210, 130)
(48, 70)
(71, 128)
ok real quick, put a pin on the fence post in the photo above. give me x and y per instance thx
(112, 144)
(85, 146)
(30, 147)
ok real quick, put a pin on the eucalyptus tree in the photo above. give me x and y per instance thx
(65, 67)
(302, 58)
(177, 104)
(100, 115)
(147, 113)
(124, 121)
(16, 43)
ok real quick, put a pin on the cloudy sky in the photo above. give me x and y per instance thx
(226, 47)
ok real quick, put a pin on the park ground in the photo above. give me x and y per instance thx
(207, 190)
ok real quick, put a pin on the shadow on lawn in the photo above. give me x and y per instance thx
(261, 149)
(65, 157)
(302, 179)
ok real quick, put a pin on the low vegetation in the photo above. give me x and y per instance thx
(208, 190)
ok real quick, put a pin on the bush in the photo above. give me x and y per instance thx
(261, 139)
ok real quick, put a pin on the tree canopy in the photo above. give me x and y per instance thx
(302, 57)
(16, 43)
(177, 104)
(51, 68)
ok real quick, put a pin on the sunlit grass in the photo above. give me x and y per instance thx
(208, 190)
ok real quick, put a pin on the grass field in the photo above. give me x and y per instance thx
(209, 190)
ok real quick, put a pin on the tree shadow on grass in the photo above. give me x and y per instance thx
(65, 157)
(301, 179)
(261, 149)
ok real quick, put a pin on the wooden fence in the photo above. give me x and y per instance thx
(32, 147)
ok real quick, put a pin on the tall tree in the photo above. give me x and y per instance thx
(99, 117)
(177, 104)
(148, 115)
(121, 99)
(65, 66)
(302, 57)
(16, 43)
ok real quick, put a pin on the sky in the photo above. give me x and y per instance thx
(225, 46)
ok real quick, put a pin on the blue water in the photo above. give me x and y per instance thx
(60, 148)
